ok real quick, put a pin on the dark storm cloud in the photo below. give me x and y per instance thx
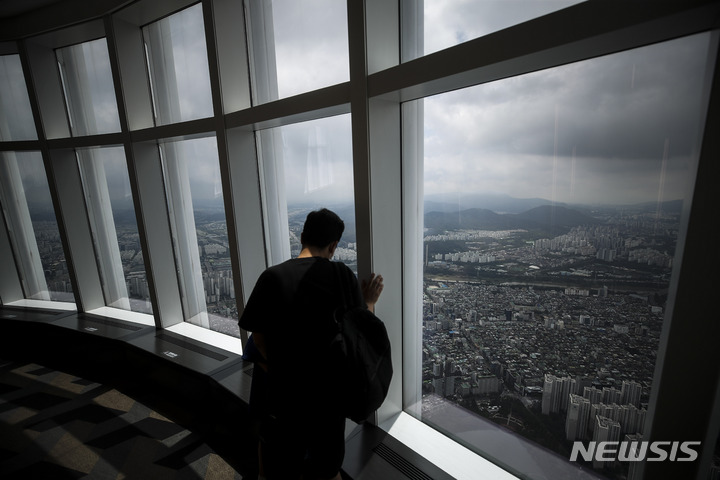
(563, 133)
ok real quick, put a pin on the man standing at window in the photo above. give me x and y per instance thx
(290, 312)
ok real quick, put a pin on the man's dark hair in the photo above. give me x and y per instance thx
(322, 227)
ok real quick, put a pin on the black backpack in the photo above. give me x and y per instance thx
(360, 359)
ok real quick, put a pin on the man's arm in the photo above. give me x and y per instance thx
(371, 290)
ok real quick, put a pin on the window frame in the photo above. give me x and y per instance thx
(16, 218)
(499, 58)
(387, 154)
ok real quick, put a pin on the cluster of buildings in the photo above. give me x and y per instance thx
(472, 235)
(583, 358)
(649, 256)
(584, 240)
(605, 243)
(470, 256)
(218, 285)
(622, 406)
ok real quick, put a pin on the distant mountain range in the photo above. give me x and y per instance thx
(545, 217)
(442, 212)
(495, 202)
(501, 203)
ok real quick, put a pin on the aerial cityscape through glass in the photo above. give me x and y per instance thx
(553, 206)
(553, 203)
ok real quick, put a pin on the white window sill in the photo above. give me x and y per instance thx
(205, 335)
(45, 304)
(451, 457)
(120, 314)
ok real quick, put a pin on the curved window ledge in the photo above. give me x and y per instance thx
(185, 399)
(451, 457)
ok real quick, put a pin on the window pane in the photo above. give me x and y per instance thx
(197, 217)
(311, 45)
(115, 234)
(16, 120)
(35, 237)
(450, 23)
(318, 170)
(552, 211)
(178, 66)
(88, 86)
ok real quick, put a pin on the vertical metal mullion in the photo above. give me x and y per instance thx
(360, 115)
(224, 156)
(150, 277)
(20, 233)
(10, 281)
(264, 88)
(102, 223)
(43, 147)
(376, 137)
(62, 167)
(412, 120)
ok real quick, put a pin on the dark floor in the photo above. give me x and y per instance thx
(57, 426)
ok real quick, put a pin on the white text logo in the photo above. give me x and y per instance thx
(635, 451)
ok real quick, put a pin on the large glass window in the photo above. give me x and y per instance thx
(115, 234)
(552, 211)
(318, 173)
(34, 235)
(16, 120)
(310, 42)
(178, 67)
(88, 87)
(197, 217)
(450, 23)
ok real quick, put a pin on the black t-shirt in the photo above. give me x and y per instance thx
(293, 304)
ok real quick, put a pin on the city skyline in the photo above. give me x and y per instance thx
(515, 323)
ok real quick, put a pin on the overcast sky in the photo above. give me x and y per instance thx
(617, 129)
(600, 131)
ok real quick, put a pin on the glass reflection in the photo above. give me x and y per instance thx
(88, 87)
(16, 120)
(318, 171)
(311, 45)
(197, 217)
(178, 67)
(112, 220)
(28, 210)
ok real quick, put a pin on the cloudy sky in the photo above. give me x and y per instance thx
(606, 130)
(617, 129)
(88, 86)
